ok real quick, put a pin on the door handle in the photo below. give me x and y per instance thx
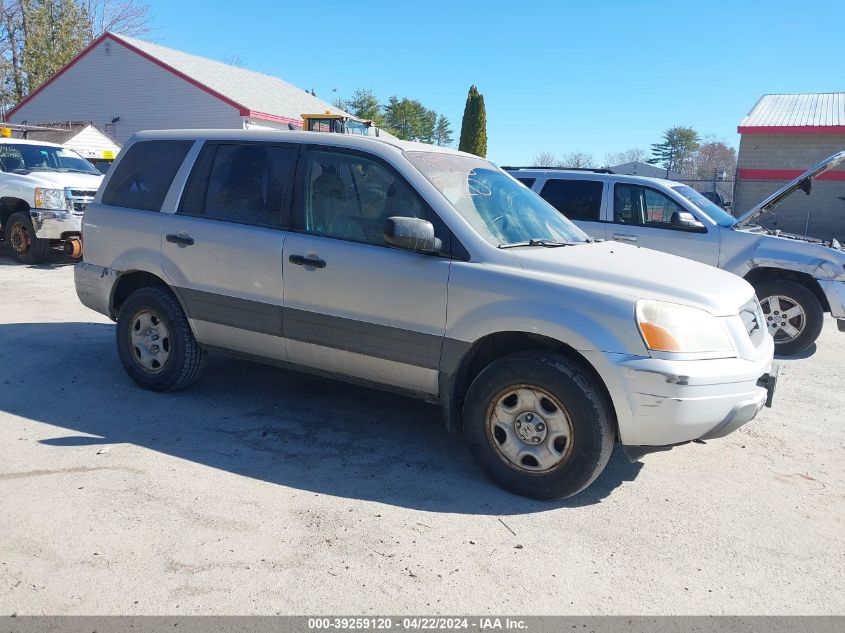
(181, 239)
(622, 237)
(301, 260)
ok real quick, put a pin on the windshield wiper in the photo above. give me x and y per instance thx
(544, 242)
(77, 171)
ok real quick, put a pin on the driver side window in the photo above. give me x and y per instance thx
(349, 197)
(642, 206)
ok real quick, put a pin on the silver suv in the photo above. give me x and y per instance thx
(422, 270)
(797, 278)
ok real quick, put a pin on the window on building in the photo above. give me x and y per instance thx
(143, 176)
(576, 199)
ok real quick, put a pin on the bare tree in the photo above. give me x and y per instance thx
(128, 17)
(233, 59)
(713, 157)
(546, 159)
(577, 159)
(633, 155)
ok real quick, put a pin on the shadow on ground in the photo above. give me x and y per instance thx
(262, 422)
(55, 258)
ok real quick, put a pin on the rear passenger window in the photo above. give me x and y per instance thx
(528, 182)
(576, 199)
(243, 183)
(143, 176)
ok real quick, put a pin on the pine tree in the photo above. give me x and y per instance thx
(443, 132)
(474, 125)
(676, 150)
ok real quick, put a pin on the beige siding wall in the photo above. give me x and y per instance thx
(822, 213)
(112, 81)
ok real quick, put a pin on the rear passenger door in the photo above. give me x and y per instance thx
(580, 200)
(222, 249)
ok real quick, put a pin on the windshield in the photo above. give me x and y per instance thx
(713, 210)
(24, 158)
(501, 209)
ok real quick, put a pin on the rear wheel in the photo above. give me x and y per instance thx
(538, 425)
(26, 247)
(794, 316)
(155, 342)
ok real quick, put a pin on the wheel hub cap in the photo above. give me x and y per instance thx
(149, 341)
(529, 428)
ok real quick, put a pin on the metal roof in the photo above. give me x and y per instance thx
(808, 112)
(253, 91)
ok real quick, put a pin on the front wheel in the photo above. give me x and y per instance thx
(793, 314)
(538, 425)
(155, 342)
(26, 247)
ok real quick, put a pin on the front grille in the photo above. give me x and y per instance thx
(79, 199)
(752, 317)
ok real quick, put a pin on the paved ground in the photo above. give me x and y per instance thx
(263, 491)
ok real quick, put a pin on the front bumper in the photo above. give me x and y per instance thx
(54, 225)
(665, 402)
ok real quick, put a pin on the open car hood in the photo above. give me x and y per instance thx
(804, 182)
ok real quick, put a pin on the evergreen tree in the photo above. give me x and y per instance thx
(676, 150)
(474, 125)
(443, 132)
(364, 105)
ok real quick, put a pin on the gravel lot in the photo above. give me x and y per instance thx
(263, 491)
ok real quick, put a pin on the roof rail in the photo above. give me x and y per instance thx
(595, 170)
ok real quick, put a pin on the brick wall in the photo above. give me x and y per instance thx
(822, 214)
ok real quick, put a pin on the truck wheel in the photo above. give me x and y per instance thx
(155, 342)
(538, 425)
(793, 315)
(20, 234)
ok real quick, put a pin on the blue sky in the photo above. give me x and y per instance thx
(557, 76)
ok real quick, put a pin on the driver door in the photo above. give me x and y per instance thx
(646, 217)
(353, 305)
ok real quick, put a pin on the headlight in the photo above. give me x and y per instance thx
(669, 327)
(50, 199)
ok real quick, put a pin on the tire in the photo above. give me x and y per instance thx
(544, 385)
(788, 295)
(20, 235)
(155, 342)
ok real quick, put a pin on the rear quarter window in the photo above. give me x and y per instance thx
(143, 176)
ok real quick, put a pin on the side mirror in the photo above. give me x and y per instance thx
(686, 221)
(411, 234)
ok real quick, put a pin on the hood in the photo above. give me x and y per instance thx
(641, 273)
(60, 180)
(804, 182)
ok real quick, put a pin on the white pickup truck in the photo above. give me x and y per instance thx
(44, 189)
